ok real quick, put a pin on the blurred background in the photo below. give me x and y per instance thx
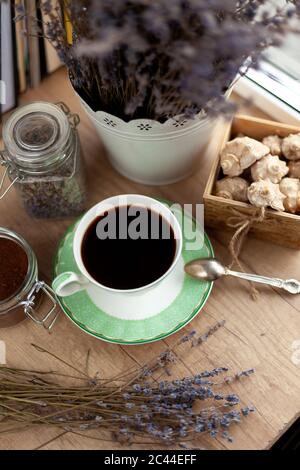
(27, 59)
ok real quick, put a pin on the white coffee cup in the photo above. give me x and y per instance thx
(68, 283)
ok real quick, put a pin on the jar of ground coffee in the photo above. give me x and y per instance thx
(22, 294)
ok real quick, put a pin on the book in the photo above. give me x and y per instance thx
(22, 50)
(7, 73)
(33, 43)
(43, 65)
(52, 60)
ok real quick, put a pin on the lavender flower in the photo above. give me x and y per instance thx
(232, 399)
(160, 59)
(247, 410)
(188, 337)
(245, 373)
(226, 436)
(129, 406)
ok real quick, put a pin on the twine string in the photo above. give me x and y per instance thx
(242, 223)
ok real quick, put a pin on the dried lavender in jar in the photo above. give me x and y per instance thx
(43, 158)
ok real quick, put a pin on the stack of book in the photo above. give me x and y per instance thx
(26, 57)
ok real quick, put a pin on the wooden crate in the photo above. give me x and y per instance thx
(278, 227)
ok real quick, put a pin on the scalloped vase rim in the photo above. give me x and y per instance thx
(174, 126)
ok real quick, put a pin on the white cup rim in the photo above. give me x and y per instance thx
(99, 208)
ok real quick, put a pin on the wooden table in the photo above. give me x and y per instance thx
(264, 334)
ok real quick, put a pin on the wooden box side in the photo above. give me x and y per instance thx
(225, 136)
(259, 128)
(278, 227)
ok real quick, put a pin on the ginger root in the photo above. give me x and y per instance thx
(232, 188)
(274, 144)
(264, 194)
(240, 153)
(290, 187)
(269, 168)
(291, 147)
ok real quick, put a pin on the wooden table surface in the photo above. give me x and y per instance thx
(264, 334)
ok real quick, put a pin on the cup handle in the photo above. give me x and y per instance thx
(69, 283)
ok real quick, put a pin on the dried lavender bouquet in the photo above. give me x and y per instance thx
(136, 407)
(159, 59)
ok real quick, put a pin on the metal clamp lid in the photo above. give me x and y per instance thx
(73, 118)
(48, 320)
(8, 170)
(16, 172)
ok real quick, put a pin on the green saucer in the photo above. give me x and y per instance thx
(189, 296)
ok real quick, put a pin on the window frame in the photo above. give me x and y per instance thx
(273, 91)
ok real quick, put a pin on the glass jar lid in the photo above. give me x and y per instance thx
(35, 135)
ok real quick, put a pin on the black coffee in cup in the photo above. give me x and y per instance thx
(128, 247)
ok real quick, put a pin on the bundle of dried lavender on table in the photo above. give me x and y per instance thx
(136, 407)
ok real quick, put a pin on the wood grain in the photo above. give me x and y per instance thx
(257, 334)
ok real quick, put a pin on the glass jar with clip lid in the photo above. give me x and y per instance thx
(42, 159)
(22, 294)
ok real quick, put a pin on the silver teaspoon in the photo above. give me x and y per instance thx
(210, 269)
